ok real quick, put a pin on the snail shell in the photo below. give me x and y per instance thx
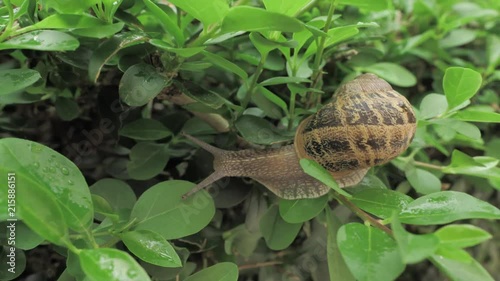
(367, 123)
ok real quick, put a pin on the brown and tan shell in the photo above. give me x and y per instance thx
(367, 123)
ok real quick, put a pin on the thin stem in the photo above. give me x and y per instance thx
(427, 165)
(306, 8)
(362, 214)
(259, 265)
(316, 77)
(8, 28)
(292, 109)
(204, 36)
(253, 82)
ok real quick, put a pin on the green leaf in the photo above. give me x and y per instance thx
(183, 52)
(145, 129)
(140, 84)
(262, 44)
(301, 210)
(289, 8)
(423, 181)
(151, 247)
(339, 34)
(316, 171)
(277, 233)
(99, 32)
(67, 6)
(147, 160)
(372, 5)
(225, 64)
(283, 80)
(335, 35)
(67, 108)
(103, 208)
(458, 270)
(393, 73)
(167, 23)
(39, 169)
(36, 206)
(337, 267)
(67, 21)
(42, 40)
(208, 12)
(458, 37)
(461, 235)
(245, 18)
(111, 264)
(493, 50)
(459, 85)
(223, 271)
(116, 192)
(110, 48)
(380, 202)
(446, 206)
(433, 105)
(273, 98)
(413, 248)
(467, 129)
(479, 166)
(13, 80)
(161, 209)
(241, 241)
(201, 95)
(26, 238)
(369, 253)
(477, 116)
(258, 130)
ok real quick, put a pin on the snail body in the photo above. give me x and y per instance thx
(367, 123)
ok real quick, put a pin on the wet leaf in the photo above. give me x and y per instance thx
(161, 209)
(13, 80)
(41, 170)
(42, 40)
(151, 247)
(224, 271)
(369, 253)
(111, 264)
(446, 206)
(255, 19)
(140, 84)
(301, 210)
(145, 129)
(381, 202)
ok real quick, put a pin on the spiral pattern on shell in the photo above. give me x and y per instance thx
(367, 123)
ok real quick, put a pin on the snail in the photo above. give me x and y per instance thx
(367, 123)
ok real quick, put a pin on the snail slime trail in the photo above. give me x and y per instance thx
(367, 123)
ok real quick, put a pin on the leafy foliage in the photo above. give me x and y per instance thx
(99, 91)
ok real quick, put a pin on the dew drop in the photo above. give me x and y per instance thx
(64, 171)
(36, 148)
(36, 165)
(132, 273)
(70, 182)
(52, 169)
(45, 169)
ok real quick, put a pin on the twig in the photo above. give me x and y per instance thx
(362, 214)
(216, 121)
(258, 265)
